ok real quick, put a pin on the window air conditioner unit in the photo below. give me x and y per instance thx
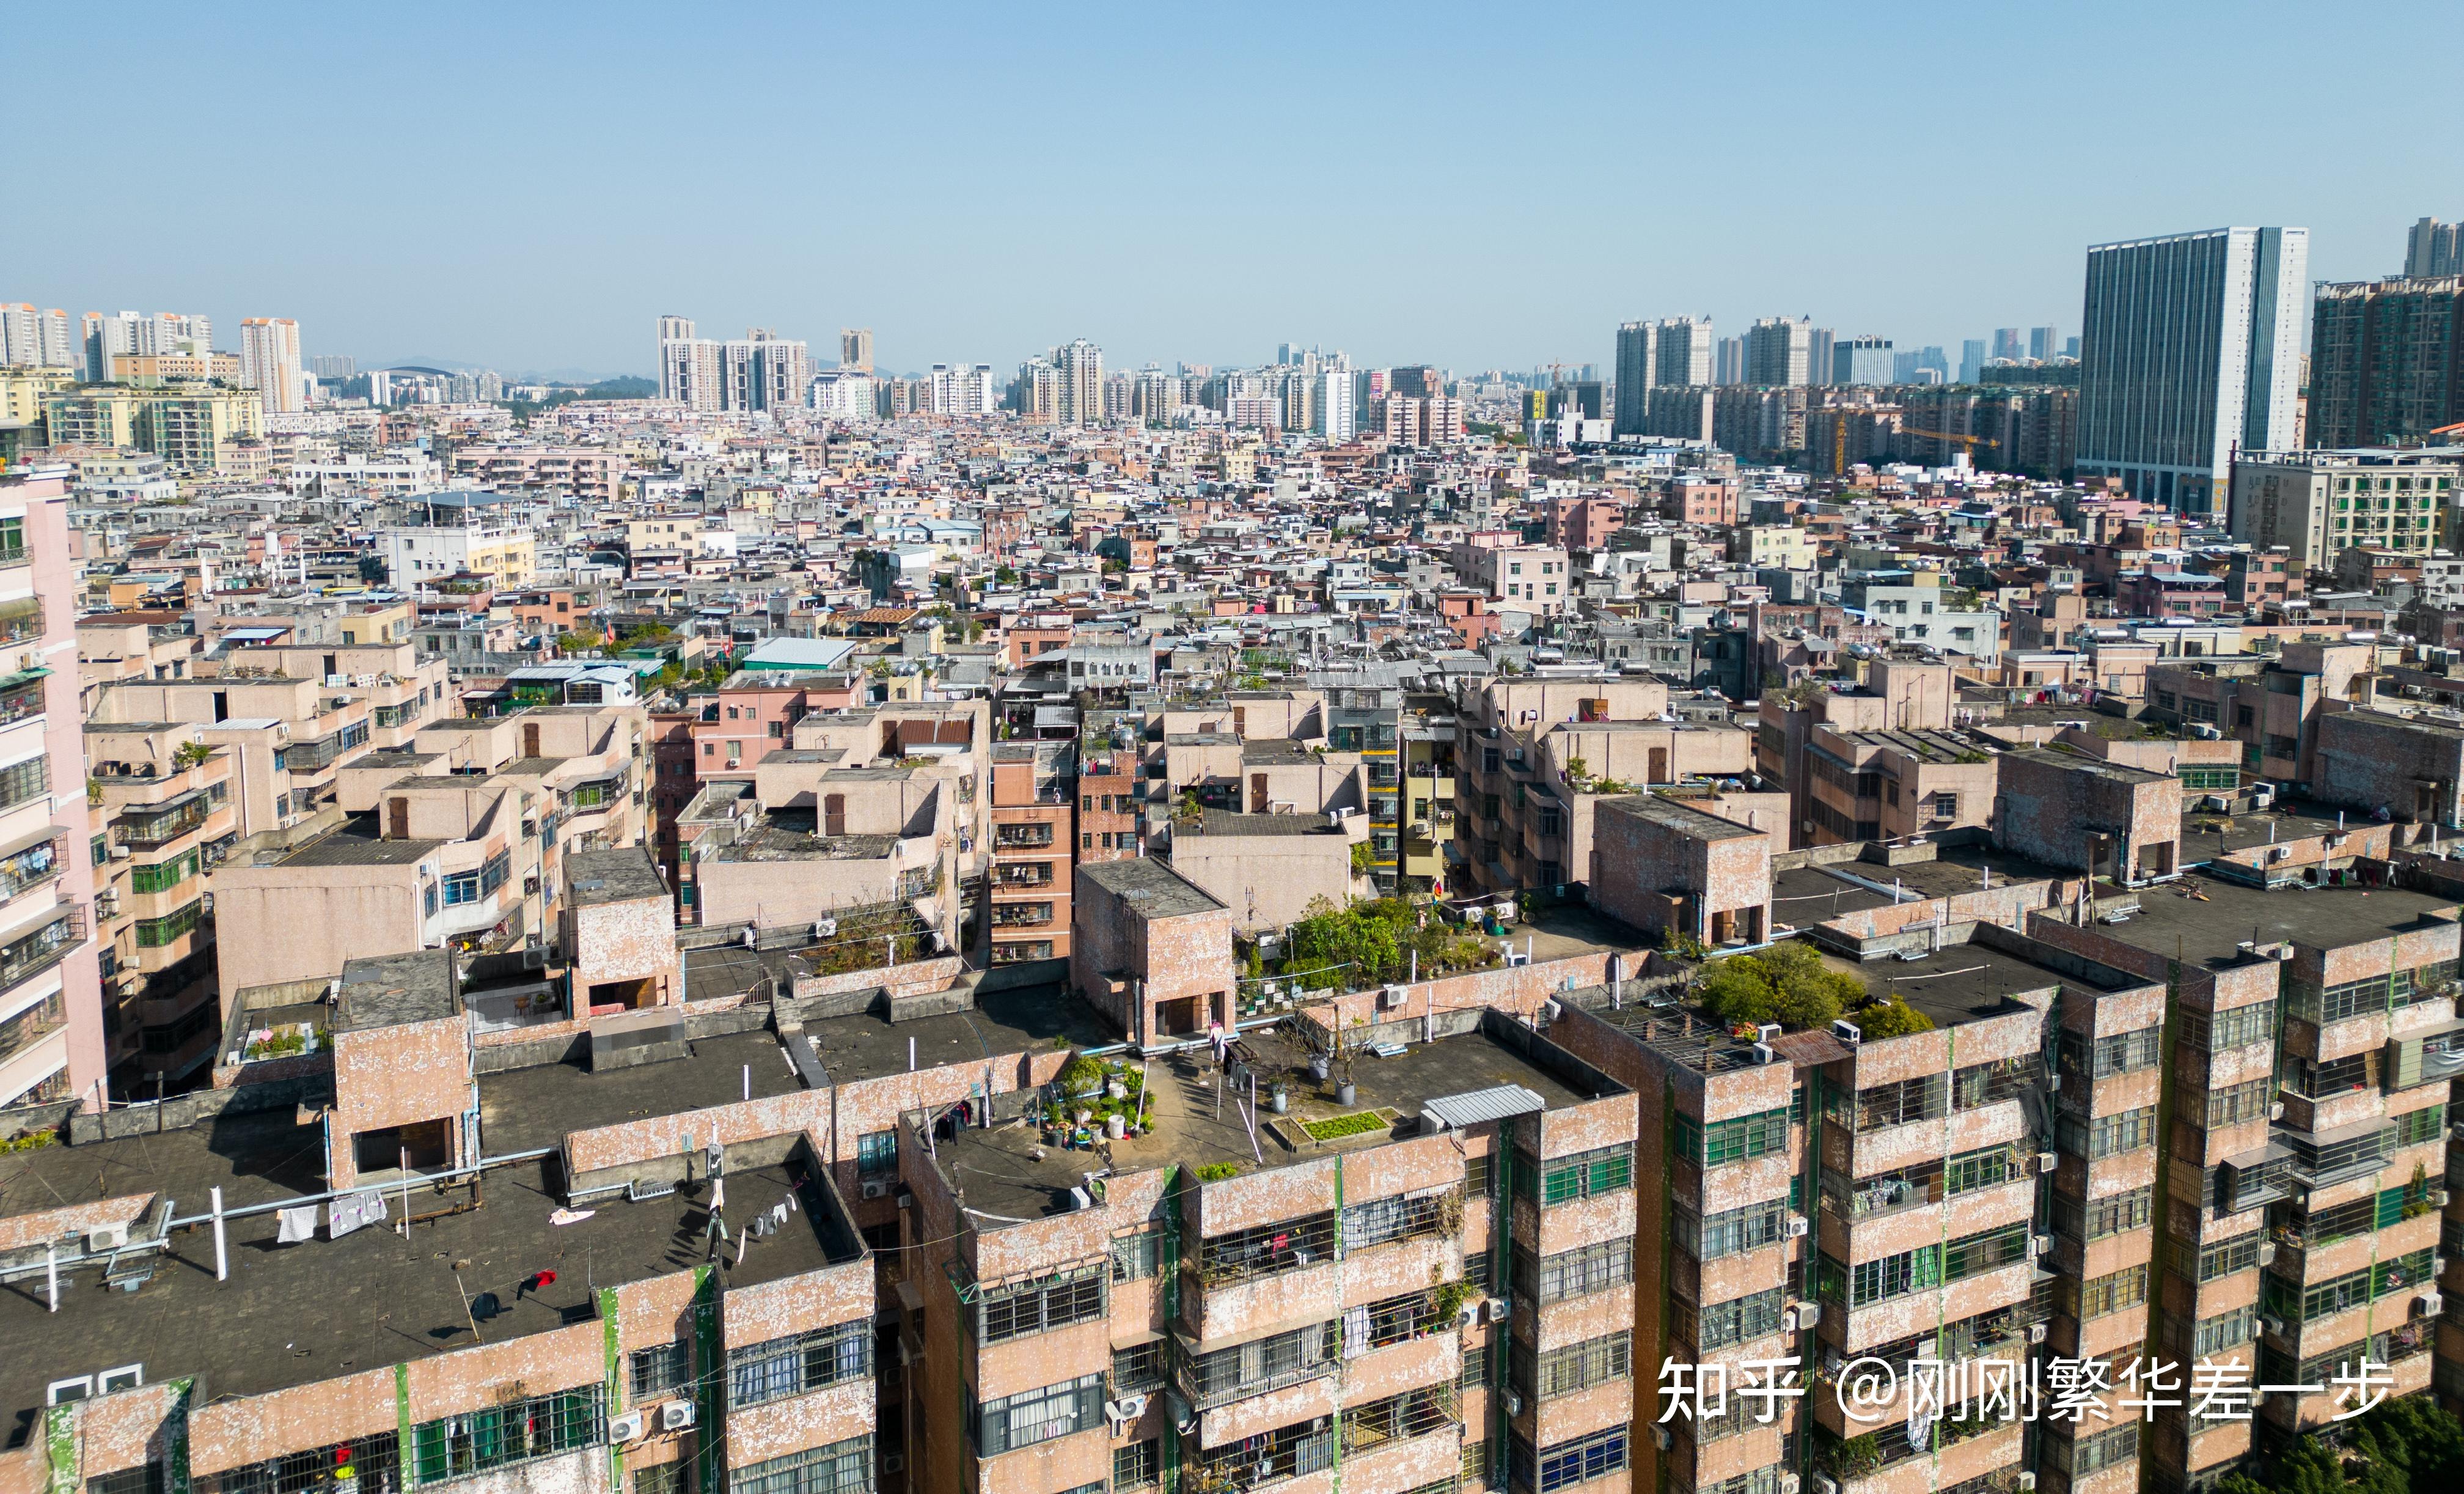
(876, 1187)
(625, 1428)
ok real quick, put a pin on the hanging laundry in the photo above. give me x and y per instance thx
(353, 1211)
(484, 1306)
(571, 1216)
(297, 1224)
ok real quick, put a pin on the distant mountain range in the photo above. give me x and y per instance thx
(511, 375)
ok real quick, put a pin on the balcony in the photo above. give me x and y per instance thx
(1023, 838)
(1022, 915)
(44, 947)
(159, 825)
(21, 620)
(1025, 874)
(1259, 1367)
(21, 695)
(32, 1026)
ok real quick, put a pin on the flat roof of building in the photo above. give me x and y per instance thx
(2205, 919)
(1151, 887)
(290, 1314)
(1005, 1173)
(349, 847)
(1965, 982)
(389, 989)
(1676, 815)
(869, 1045)
(526, 1109)
(620, 876)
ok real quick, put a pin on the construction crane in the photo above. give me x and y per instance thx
(1968, 443)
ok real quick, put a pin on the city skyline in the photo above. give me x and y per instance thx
(896, 240)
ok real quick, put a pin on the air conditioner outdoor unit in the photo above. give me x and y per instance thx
(1500, 1308)
(1764, 1053)
(675, 1415)
(2036, 1332)
(1788, 1483)
(2429, 1305)
(2027, 1482)
(1660, 1437)
(1847, 1032)
(2275, 1111)
(824, 927)
(1808, 1314)
(2049, 1161)
(1514, 1404)
(106, 1236)
(1391, 998)
(2274, 1325)
(1825, 1483)
(2044, 1244)
(876, 1187)
(2267, 1252)
(894, 1462)
(625, 1428)
(1798, 1226)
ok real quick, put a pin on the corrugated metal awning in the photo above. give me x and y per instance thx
(1473, 1106)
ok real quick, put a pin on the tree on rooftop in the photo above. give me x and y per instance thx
(1787, 983)
(1891, 1018)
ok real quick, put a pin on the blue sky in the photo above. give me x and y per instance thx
(529, 186)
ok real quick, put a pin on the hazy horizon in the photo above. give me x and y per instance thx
(1477, 188)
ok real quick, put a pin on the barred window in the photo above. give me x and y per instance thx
(798, 1363)
(2227, 1256)
(2099, 1450)
(2123, 1131)
(876, 1152)
(2126, 1287)
(1476, 1176)
(2225, 1331)
(145, 1477)
(1033, 1416)
(660, 1369)
(2415, 1126)
(1133, 1255)
(1895, 1276)
(839, 1468)
(659, 1478)
(1731, 1232)
(1138, 1464)
(1475, 1366)
(1993, 1082)
(1584, 1173)
(2238, 1027)
(1896, 1103)
(1138, 1366)
(2235, 1104)
(1985, 1168)
(2115, 1053)
(1762, 1480)
(2118, 1213)
(452, 1447)
(1737, 1139)
(374, 1460)
(1975, 1254)
(1394, 1320)
(1575, 1367)
(1735, 1321)
(1378, 1221)
(1583, 1458)
(1585, 1268)
(1052, 1302)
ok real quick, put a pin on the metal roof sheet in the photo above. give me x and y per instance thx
(1473, 1106)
